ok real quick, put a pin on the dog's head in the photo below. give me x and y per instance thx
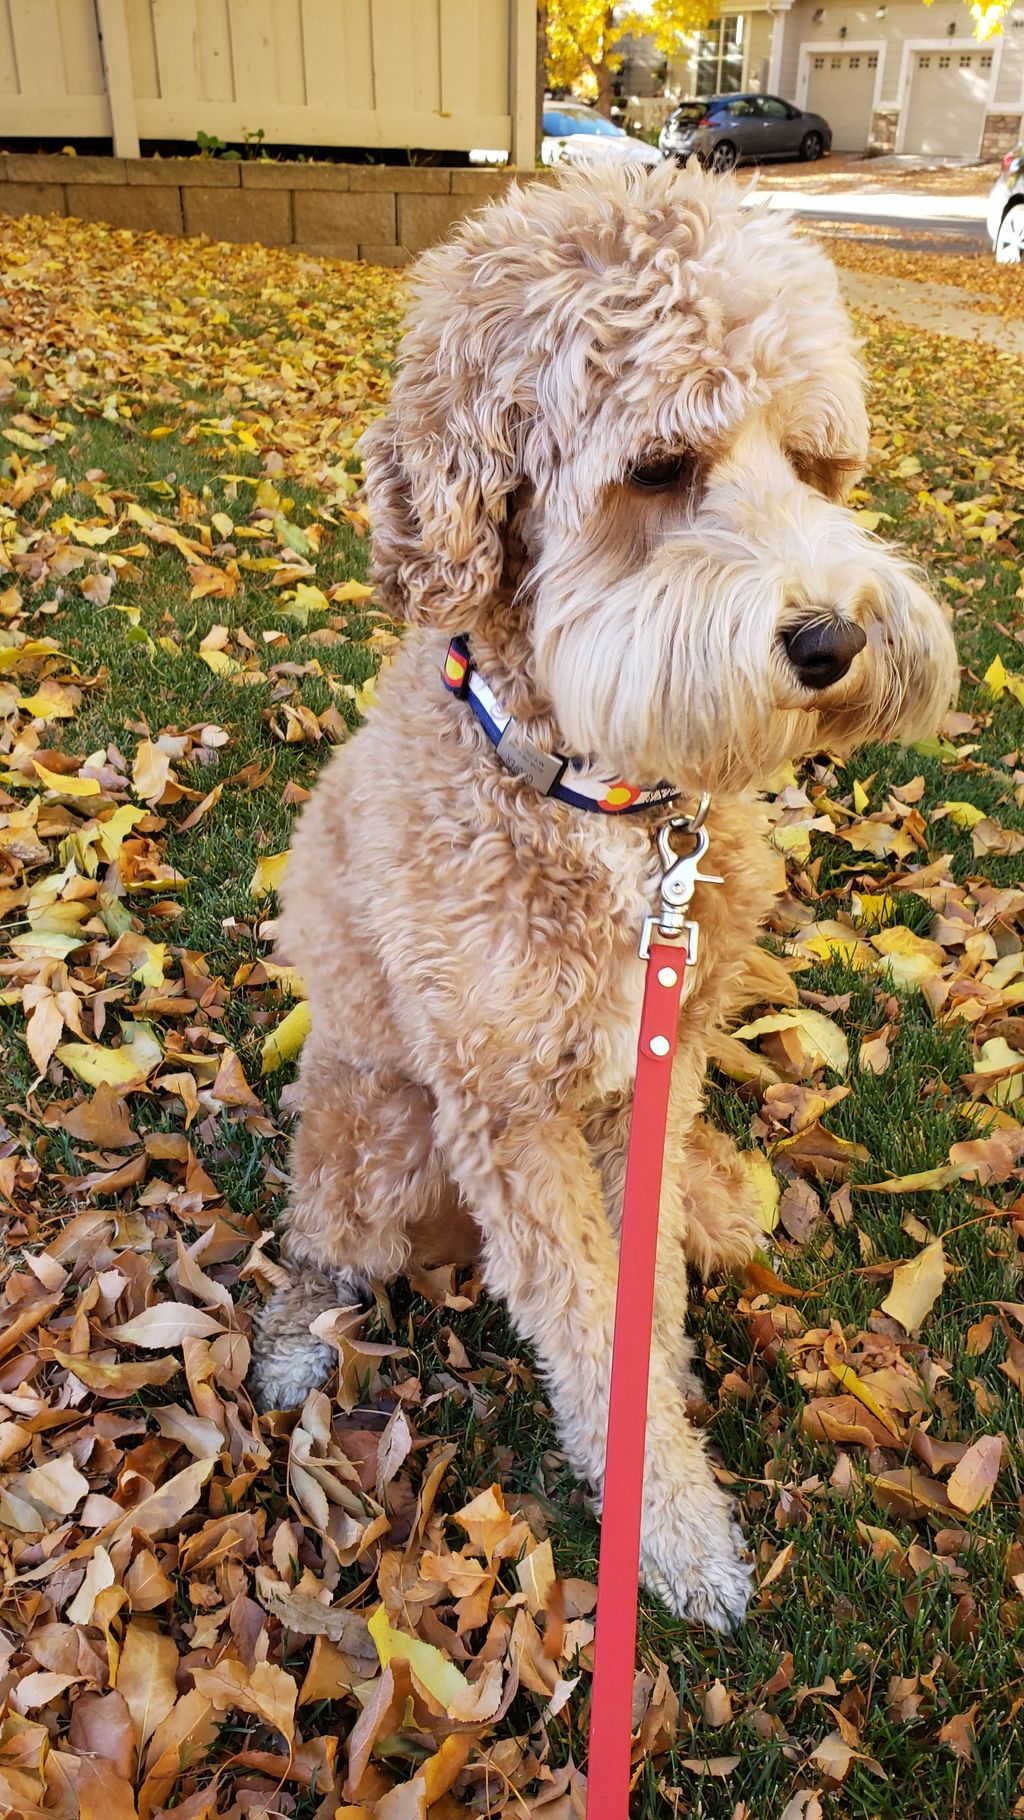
(626, 415)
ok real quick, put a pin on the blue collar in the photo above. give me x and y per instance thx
(568, 780)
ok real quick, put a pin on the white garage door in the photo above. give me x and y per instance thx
(842, 89)
(946, 106)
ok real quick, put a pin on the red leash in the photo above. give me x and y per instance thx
(669, 945)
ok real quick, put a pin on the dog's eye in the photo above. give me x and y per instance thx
(665, 471)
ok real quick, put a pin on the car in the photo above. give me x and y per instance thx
(577, 134)
(724, 130)
(1006, 210)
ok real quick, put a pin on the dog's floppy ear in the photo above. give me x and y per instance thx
(441, 464)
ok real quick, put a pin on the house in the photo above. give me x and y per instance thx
(897, 76)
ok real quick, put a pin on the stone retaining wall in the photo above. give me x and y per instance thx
(385, 214)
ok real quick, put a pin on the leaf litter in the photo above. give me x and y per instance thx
(327, 1613)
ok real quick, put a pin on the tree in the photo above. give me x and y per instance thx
(585, 37)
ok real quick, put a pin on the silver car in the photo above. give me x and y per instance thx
(728, 129)
(1006, 210)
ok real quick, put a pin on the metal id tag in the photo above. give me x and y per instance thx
(518, 752)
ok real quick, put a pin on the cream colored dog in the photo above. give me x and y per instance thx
(624, 418)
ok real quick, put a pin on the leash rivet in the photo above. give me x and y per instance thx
(660, 1045)
(667, 976)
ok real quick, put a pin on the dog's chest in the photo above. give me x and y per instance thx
(631, 871)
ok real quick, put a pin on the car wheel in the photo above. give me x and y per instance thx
(811, 147)
(1010, 238)
(723, 156)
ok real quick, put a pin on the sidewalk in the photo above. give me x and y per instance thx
(871, 204)
(941, 309)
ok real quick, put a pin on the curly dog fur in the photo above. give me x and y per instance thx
(469, 945)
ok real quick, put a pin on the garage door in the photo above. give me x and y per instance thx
(946, 106)
(842, 89)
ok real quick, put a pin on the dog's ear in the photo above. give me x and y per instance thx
(442, 464)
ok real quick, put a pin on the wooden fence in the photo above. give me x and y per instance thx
(445, 75)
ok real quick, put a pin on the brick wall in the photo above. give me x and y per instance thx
(385, 214)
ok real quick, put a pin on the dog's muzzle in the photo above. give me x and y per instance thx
(822, 650)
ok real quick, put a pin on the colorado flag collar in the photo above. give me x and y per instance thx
(569, 780)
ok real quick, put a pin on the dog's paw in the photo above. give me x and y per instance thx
(288, 1359)
(284, 1373)
(699, 1570)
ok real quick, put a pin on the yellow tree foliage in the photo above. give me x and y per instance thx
(585, 37)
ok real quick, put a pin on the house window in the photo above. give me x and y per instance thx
(818, 63)
(873, 61)
(719, 57)
(986, 61)
(924, 63)
(944, 62)
(855, 63)
(837, 63)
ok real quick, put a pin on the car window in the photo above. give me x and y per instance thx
(557, 126)
(776, 110)
(740, 110)
(689, 115)
(586, 122)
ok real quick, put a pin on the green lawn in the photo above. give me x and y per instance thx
(879, 1626)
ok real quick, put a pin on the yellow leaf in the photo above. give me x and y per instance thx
(97, 1066)
(270, 870)
(50, 702)
(844, 945)
(115, 829)
(793, 839)
(782, 779)
(873, 907)
(860, 797)
(916, 1287)
(438, 1674)
(964, 815)
(351, 590)
(910, 957)
(220, 663)
(66, 786)
(821, 1041)
(285, 1041)
(847, 1377)
(764, 1184)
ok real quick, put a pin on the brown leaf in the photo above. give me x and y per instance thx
(266, 1690)
(117, 1380)
(102, 1120)
(166, 1324)
(973, 1481)
(146, 1677)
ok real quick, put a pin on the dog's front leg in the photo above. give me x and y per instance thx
(550, 1253)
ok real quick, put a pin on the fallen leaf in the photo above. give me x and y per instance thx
(916, 1287)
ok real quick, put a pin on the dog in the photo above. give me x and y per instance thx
(625, 416)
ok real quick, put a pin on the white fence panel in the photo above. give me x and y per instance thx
(446, 75)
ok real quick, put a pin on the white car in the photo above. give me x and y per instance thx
(575, 134)
(1006, 210)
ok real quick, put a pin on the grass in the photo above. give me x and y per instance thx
(851, 1624)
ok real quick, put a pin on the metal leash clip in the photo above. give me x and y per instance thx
(678, 880)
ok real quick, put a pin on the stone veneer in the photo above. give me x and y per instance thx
(1003, 132)
(882, 137)
(382, 213)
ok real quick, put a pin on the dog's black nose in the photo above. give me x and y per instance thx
(822, 650)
